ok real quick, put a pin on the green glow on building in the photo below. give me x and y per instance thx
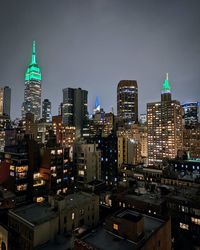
(166, 88)
(33, 71)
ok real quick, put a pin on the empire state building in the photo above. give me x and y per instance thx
(32, 91)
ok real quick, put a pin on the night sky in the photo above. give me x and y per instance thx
(93, 44)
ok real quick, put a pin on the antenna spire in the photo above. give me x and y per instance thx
(33, 61)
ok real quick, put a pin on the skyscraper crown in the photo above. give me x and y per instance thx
(166, 88)
(33, 71)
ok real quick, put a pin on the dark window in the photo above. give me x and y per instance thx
(65, 220)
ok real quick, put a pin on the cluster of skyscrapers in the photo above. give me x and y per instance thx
(80, 164)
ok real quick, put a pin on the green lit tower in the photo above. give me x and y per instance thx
(32, 92)
(166, 90)
(164, 127)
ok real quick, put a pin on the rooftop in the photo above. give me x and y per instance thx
(75, 200)
(104, 239)
(34, 214)
(6, 194)
(145, 197)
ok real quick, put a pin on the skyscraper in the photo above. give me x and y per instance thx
(127, 101)
(46, 110)
(5, 100)
(74, 111)
(191, 113)
(164, 127)
(32, 92)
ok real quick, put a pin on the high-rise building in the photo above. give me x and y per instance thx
(74, 111)
(46, 110)
(132, 145)
(109, 157)
(191, 113)
(5, 99)
(129, 151)
(191, 141)
(164, 127)
(127, 101)
(87, 159)
(65, 135)
(32, 92)
(60, 109)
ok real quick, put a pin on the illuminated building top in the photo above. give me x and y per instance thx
(33, 71)
(166, 88)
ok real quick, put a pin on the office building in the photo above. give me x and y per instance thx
(191, 141)
(32, 91)
(127, 101)
(164, 127)
(74, 111)
(5, 101)
(136, 133)
(60, 107)
(191, 113)
(46, 110)
(87, 160)
(4, 124)
(65, 135)
(129, 151)
(109, 157)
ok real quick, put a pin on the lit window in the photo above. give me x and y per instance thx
(39, 199)
(81, 173)
(195, 221)
(184, 226)
(59, 151)
(58, 180)
(12, 168)
(115, 227)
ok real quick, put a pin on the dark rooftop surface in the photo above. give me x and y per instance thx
(132, 217)
(35, 214)
(106, 240)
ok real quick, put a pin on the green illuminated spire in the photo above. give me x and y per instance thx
(33, 61)
(166, 88)
(33, 71)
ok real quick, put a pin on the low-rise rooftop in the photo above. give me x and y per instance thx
(103, 239)
(34, 214)
(75, 200)
(150, 198)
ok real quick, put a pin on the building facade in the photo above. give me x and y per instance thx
(46, 110)
(74, 111)
(5, 101)
(127, 101)
(87, 158)
(191, 113)
(164, 127)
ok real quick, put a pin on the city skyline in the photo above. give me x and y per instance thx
(132, 41)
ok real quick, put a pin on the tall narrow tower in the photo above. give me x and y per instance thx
(127, 101)
(32, 92)
(164, 127)
(5, 101)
